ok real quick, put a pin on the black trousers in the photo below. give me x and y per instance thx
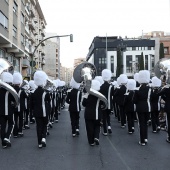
(155, 119)
(26, 117)
(130, 119)
(7, 125)
(18, 127)
(56, 113)
(143, 119)
(168, 123)
(106, 119)
(74, 117)
(41, 126)
(93, 130)
(122, 116)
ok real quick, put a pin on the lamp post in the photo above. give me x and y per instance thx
(120, 48)
(56, 36)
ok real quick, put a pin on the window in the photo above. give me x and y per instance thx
(22, 17)
(129, 64)
(14, 31)
(22, 39)
(2, 54)
(149, 48)
(146, 62)
(3, 20)
(166, 50)
(133, 48)
(152, 62)
(15, 7)
(112, 63)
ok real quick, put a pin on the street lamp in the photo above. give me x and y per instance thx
(121, 48)
(56, 36)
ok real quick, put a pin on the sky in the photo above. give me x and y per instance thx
(86, 19)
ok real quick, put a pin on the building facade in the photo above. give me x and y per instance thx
(103, 54)
(22, 25)
(162, 37)
(78, 61)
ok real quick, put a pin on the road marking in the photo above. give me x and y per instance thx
(118, 154)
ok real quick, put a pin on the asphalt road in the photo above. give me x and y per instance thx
(118, 151)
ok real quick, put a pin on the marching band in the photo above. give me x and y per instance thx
(41, 101)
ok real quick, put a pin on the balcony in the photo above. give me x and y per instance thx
(43, 62)
(43, 33)
(32, 11)
(35, 20)
(32, 37)
(27, 10)
(33, 2)
(43, 24)
(31, 25)
(27, 29)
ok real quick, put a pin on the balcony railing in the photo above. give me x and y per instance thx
(32, 11)
(27, 10)
(32, 25)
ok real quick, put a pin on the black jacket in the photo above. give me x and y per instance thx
(6, 102)
(107, 90)
(41, 102)
(156, 100)
(92, 106)
(143, 98)
(74, 100)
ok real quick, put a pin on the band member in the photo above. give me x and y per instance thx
(74, 99)
(156, 104)
(32, 89)
(6, 111)
(119, 94)
(56, 98)
(19, 111)
(165, 94)
(129, 104)
(143, 104)
(40, 100)
(136, 75)
(92, 114)
(107, 90)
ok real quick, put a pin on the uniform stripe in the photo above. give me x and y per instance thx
(26, 103)
(19, 107)
(159, 100)
(6, 102)
(97, 106)
(43, 104)
(148, 100)
(78, 94)
(109, 97)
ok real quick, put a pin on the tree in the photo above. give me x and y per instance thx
(141, 62)
(119, 64)
(161, 51)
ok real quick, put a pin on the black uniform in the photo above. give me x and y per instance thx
(74, 100)
(143, 108)
(165, 93)
(92, 115)
(156, 107)
(41, 99)
(130, 108)
(19, 112)
(119, 95)
(6, 114)
(107, 90)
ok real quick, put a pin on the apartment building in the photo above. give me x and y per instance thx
(66, 74)
(22, 25)
(78, 61)
(52, 63)
(161, 37)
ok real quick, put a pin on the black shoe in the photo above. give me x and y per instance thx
(7, 142)
(27, 127)
(109, 131)
(20, 134)
(77, 132)
(96, 141)
(43, 142)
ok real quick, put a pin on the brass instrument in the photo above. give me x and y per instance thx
(86, 72)
(6, 66)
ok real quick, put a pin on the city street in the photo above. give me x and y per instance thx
(118, 151)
